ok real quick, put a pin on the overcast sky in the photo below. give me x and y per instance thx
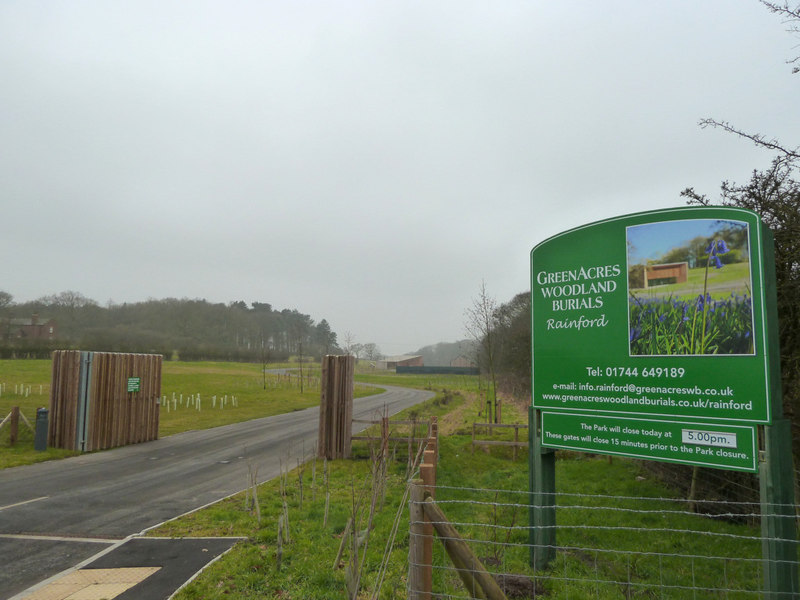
(370, 162)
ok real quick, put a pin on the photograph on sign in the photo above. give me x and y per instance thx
(689, 288)
(659, 314)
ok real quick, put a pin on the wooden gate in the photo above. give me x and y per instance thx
(102, 400)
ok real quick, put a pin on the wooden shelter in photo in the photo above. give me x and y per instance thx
(101, 400)
(665, 274)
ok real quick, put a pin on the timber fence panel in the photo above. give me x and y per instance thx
(347, 392)
(324, 404)
(64, 399)
(336, 407)
(98, 409)
(115, 416)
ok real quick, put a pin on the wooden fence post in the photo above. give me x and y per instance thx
(476, 579)
(384, 437)
(473, 436)
(435, 438)
(427, 471)
(14, 425)
(516, 441)
(416, 543)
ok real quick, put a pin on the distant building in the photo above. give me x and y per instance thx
(31, 329)
(462, 361)
(666, 274)
(404, 360)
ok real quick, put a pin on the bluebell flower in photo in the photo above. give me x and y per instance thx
(714, 249)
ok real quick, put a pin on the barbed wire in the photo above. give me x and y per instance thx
(609, 582)
(641, 553)
(563, 495)
(652, 569)
(563, 507)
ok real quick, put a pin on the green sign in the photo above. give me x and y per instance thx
(658, 315)
(721, 446)
(654, 335)
(134, 384)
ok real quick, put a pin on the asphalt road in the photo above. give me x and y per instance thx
(57, 514)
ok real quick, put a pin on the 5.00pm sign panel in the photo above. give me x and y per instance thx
(656, 315)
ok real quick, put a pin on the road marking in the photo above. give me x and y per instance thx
(24, 502)
(55, 538)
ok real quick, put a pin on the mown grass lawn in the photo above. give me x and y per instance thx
(232, 393)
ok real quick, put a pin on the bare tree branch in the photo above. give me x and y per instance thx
(758, 139)
(790, 16)
(784, 10)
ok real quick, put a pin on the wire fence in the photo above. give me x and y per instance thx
(607, 546)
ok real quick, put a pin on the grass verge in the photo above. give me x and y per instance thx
(621, 532)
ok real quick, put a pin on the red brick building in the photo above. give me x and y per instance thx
(31, 329)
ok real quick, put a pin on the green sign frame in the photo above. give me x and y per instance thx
(619, 330)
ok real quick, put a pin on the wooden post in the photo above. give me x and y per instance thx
(385, 437)
(416, 542)
(427, 471)
(14, 426)
(476, 578)
(435, 438)
(516, 441)
(473, 437)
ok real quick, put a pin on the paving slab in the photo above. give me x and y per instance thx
(152, 568)
(36, 559)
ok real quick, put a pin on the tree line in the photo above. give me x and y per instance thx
(187, 329)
